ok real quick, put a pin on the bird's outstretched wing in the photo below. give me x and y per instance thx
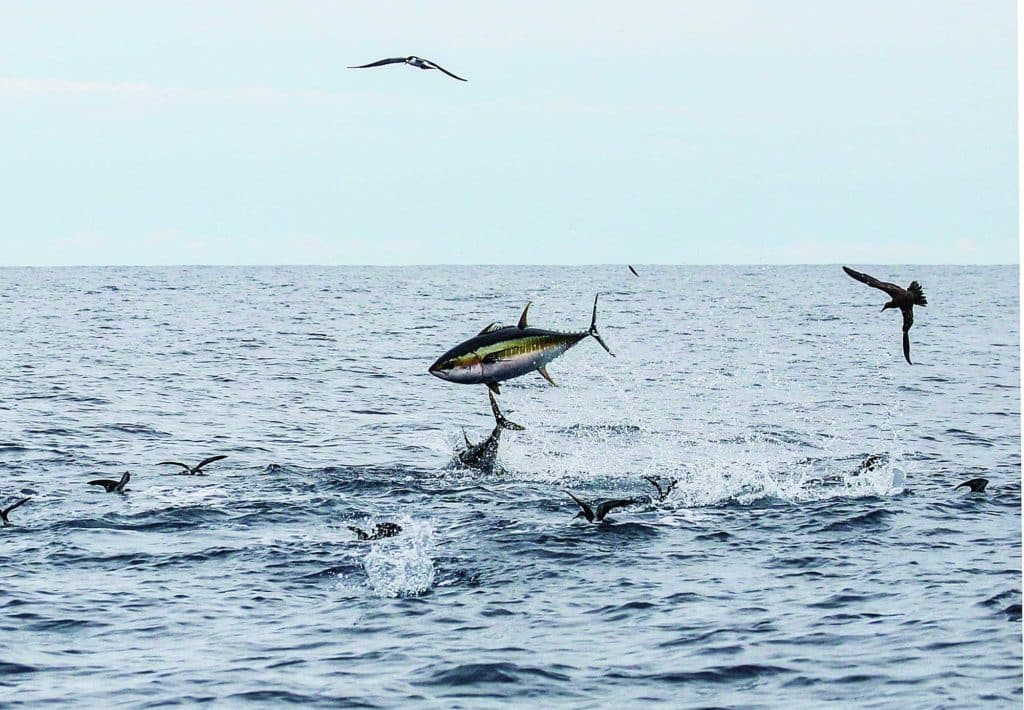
(380, 63)
(892, 289)
(610, 505)
(908, 320)
(977, 485)
(209, 460)
(176, 463)
(8, 509)
(633, 270)
(584, 508)
(438, 66)
(654, 482)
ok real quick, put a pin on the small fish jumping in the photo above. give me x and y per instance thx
(481, 456)
(193, 470)
(977, 485)
(6, 511)
(113, 486)
(503, 352)
(903, 298)
(603, 508)
(380, 531)
(412, 61)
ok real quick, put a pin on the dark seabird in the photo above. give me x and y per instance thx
(8, 509)
(112, 486)
(903, 298)
(603, 508)
(870, 463)
(662, 494)
(193, 470)
(412, 62)
(977, 485)
(633, 270)
(380, 531)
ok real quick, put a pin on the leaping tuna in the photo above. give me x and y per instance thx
(503, 352)
(481, 456)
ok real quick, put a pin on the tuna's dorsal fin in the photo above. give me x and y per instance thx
(543, 370)
(490, 328)
(468, 445)
(493, 387)
(522, 318)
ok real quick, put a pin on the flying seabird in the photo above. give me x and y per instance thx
(903, 298)
(8, 509)
(977, 485)
(112, 486)
(411, 61)
(380, 531)
(603, 508)
(662, 494)
(633, 270)
(193, 470)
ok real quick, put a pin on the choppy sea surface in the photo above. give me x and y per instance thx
(775, 574)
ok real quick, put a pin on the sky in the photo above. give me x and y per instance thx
(655, 131)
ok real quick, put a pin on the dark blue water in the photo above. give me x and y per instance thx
(773, 575)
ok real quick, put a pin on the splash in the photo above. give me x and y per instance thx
(402, 566)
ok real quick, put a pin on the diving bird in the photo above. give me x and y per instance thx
(603, 509)
(662, 494)
(112, 486)
(412, 62)
(381, 531)
(903, 298)
(193, 470)
(977, 485)
(8, 509)
(503, 352)
(633, 270)
(481, 456)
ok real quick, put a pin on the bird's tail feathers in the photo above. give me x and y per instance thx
(918, 293)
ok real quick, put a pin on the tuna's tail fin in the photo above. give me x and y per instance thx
(593, 329)
(918, 293)
(499, 418)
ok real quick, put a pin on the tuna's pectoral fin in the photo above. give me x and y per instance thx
(493, 387)
(544, 373)
(522, 318)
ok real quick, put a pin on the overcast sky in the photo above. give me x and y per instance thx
(724, 131)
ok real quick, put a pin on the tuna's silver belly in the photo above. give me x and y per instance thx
(521, 364)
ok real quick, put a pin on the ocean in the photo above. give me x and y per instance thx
(777, 573)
